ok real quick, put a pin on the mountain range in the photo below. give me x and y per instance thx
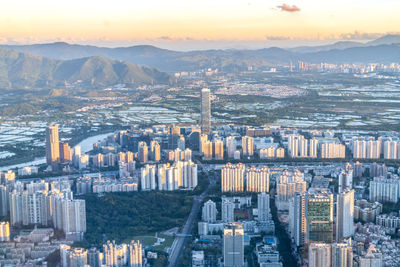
(58, 64)
(25, 71)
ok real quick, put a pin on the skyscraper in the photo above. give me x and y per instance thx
(345, 215)
(52, 144)
(233, 245)
(205, 111)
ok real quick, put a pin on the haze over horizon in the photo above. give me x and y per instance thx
(187, 25)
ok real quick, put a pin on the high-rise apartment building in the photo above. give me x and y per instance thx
(247, 146)
(155, 151)
(205, 111)
(227, 211)
(345, 215)
(148, 177)
(233, 245)
(52, 144)
(263, 207)
(231, 145)
(342, 254)
(232, 178)
(384, 189)
(143, 152)
(257, 180)
(288, 185)
(65, 152)
(345, 180)
(218, 149)
(209, 212)
(319, 254)
(390, 149)
(332, 150)
(4, 231)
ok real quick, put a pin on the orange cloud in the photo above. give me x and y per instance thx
(289, 8)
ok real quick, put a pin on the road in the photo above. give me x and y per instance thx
(179, 244)
(70, 176)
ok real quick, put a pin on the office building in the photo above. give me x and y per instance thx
(209, 212)
(345, 215)
(311, 217)
(52, 145)
(233, 245)
(205, 111)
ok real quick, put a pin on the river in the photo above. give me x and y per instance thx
(86, 146)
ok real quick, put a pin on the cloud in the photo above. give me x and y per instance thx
(289, 8)
(278, 38)
(165, 38)
(356, 35)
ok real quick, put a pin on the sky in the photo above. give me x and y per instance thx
(193, 24)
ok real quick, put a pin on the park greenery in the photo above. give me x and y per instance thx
(121, 216)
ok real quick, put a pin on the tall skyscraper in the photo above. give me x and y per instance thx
(209, 212)
(263, 206)
(65, 152)
(311, 217)
(345, 215)
(52, 144)
(233, 245)
(205, 111)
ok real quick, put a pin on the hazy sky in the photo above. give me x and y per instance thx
(188, 22)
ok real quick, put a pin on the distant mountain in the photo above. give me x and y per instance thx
(24, 71)
(382, 50)
(337, 45)
(387, 39)
(368, 54)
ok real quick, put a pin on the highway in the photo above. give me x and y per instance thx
(178, 246)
